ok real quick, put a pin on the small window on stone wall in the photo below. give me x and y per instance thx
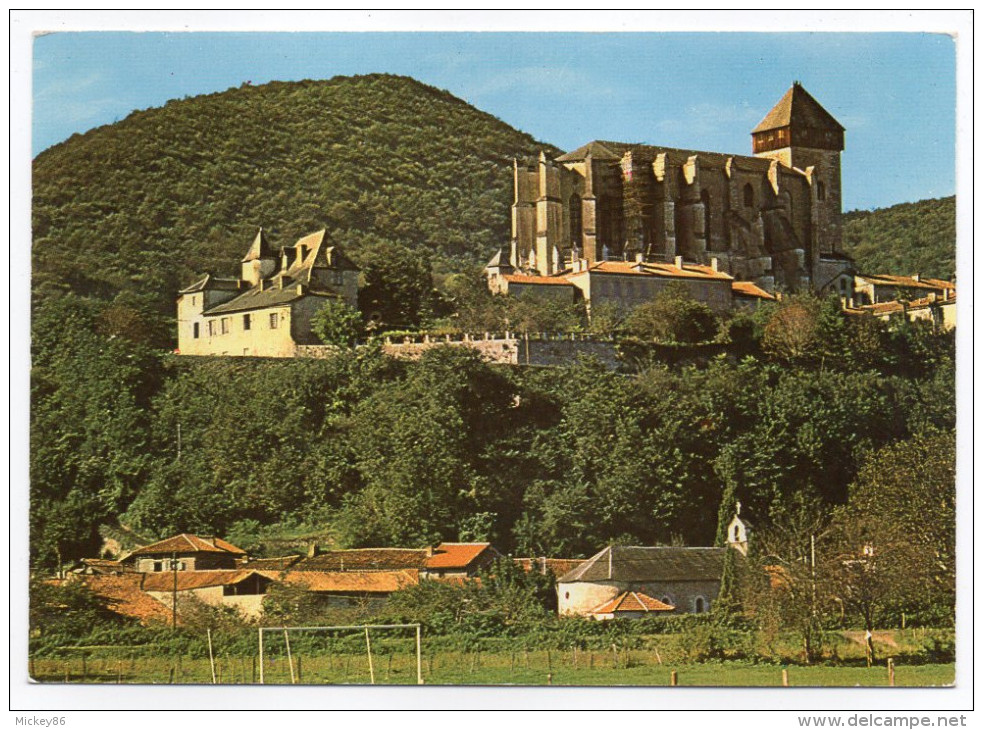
(567, 594)
(274, 320)
(699, 605)
(195, 328)
(748, 196)
(246, 322)
(820, 190)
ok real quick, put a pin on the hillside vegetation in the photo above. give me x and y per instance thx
(904, 239)
(146, 204)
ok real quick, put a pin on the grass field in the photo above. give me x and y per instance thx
(644, 668)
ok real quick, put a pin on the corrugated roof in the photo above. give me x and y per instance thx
(188, 543)
(353, 582)
(797, 108)
(641, 564)
(456, 554)
(633, 601)
(365, 559)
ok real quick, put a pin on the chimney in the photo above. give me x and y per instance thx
(312, 549)
(679, 262)
(916, 277)
(715, 263)
(850, 303)
(639, 258)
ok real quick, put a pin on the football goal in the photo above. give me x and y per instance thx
(346, 636)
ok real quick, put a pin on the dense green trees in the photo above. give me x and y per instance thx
(904, 239)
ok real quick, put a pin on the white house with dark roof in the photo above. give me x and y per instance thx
(267, 310)
(632, 581)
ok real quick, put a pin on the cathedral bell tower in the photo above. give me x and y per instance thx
(800, 134)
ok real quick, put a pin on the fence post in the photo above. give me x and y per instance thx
(290, 661)
(260, 656)
(673, 679)
(890, 672)
(211, 656)
(784, 678)
(368, 651)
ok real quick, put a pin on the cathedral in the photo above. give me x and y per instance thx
(770, 221)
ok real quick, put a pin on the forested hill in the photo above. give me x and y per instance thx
(148, 203)
(904, 239)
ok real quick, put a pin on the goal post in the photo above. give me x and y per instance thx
(354, 627)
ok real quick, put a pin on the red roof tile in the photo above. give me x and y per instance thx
(906, 281)
(187, 543)
(749, 289)
(688, 271)
(123, 596)
(536, 280)
(559, 566)
(633, 601)
(456, 554)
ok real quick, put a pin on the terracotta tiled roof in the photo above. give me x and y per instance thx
(897, 307)
(798, 108)
(352, 582)
(633, 601)
(644, 564)
(187, 543)
(749, 289)
(457, 554)
(189, 580)
(123, 595)
(536, 280)
(906, 281)
(559, 566)
(688, 271)
(365, 559)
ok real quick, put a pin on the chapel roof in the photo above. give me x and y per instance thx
(640, 564)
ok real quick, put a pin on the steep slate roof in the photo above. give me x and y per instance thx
(642, 564)
(457, 554)
(797, 108)
(211, 282)
(260, 249)
(290, 282)
(189, 580)
(633, 601)
(365, 559)
(187, 543)
(352, 582)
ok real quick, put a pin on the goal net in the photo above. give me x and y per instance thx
(355, 654)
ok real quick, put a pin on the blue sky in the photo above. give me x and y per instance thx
(894, 92)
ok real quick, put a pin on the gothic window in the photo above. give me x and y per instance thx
(748, 196)
(820, 190)
(576, 221)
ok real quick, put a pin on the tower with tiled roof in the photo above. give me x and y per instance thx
(800, 134)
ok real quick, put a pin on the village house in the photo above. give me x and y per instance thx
(878, 288)
(632, 581)
(267, 310)
(619, 221)
(188, 553)
(938, 311)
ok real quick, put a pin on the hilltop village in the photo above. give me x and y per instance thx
(612, 224)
